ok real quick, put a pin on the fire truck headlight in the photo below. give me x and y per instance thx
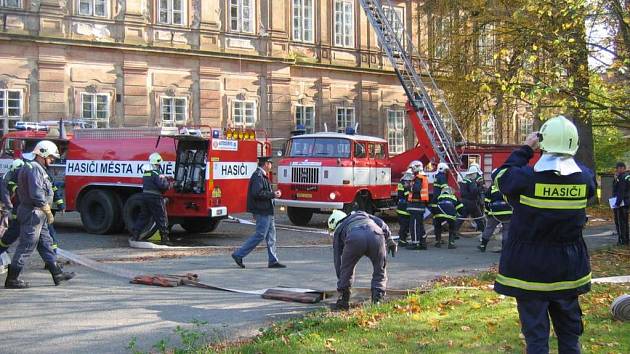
(333, 196)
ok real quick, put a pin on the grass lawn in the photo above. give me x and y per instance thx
(456, 315)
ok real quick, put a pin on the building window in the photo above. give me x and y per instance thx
(11, 3)
(96, 8)
(242, 15)
(398, 23)
(486, 44)
(305, 117)
(171, 12)
(487, 131)
(345, 118)
(10, 108)
(244, 114)
(303, 20)
(525, 127)
(173, 111)
(95, 109)
(441, 35)
(396, 131)
(344, 23)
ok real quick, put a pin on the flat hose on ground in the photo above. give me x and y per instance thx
(620, 308)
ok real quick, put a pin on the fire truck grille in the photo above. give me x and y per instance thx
(304, 187)
(308, 175)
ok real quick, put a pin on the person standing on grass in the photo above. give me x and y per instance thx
(260, 203)
(621, 191)
(544, 263)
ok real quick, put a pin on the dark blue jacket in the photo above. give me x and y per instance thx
(402, 192)
(439, 182)
(545, 255)
(376, 225)
(260, 194)
(35, 188)
(152, 183)
(496, 205)
(469, 189)
(447, 207)
(621, 189)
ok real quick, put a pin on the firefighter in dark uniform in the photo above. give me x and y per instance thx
(8, 185)
(499, 212)
(418, 197)
(58, 205)
(447, 209)
(34, 214)
(154, 185)
(545, 263)
(621, 191)
(440, 181)
(356, 235)
(403, 190)
(471, 195)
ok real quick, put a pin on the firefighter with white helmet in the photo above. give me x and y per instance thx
(154, 185)
(471, 189)
(403, 189)
(545, 263)
(439, 181)
(446, 211)
(35, 193)
(356, 235)
(418, 198)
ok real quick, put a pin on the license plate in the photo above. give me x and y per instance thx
(304, 195)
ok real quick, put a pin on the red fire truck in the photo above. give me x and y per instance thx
(101, 172)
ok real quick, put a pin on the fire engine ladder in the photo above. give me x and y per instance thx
(412, 81)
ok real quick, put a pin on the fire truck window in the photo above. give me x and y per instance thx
(319, 147)
(379, 151)
(359, 150)
(371, 150)
(7, 149)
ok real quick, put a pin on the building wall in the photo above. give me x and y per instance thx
(54, 55)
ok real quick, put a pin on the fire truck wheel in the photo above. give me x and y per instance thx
(200, 225)
(130, 214)
(299, 216)
(364, 202)
(99, 211)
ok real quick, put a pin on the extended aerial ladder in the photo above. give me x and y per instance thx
(434, 138)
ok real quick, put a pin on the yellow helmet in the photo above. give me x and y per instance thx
(155, 159)
(559, 136)
(335, 218)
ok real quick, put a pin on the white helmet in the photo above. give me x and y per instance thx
(46, 148)
(17, 163)
(474, 168)
(442, 166)
(416, 166)
(414, 163)
(408, 175)
(155, 159)
(335, 218)
(559, 136)
(446, 190)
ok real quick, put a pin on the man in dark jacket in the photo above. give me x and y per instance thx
(260, 203)
(544, 263)
(621, 191)
(499, 212)
(447, 207)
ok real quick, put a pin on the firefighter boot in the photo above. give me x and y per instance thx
(343, 302)
(482, 246)
(438, 240)
(378, 296)
(13, 281)
(58, 275)
(165, 239)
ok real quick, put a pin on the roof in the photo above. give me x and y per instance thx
(341, 135)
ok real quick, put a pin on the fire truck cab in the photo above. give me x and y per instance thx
(324, 171)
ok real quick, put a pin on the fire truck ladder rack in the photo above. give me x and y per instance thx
(123, 133)
(403, 63)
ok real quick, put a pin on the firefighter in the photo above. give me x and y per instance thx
(440, 181)
(154, 185)
(471, 195)
(448, 207)
(58, 205)
(356, 235)
(34, 214)
(418, 197)
(498, 212)
(403, 189)
(545, 263)
(8, 185)
(621, 191)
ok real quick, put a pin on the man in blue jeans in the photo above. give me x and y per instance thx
(260, 203)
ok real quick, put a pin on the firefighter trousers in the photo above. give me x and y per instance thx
(491, 225)
(621, 223)
(403, 222)
(471, 209)
(566, 317)
(416, 226)
(153, 209)
(33, 234)
(437, 225)
(360, 241)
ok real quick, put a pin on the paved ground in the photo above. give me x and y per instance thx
(99, 313)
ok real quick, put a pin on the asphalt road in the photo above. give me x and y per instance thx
(100, 313)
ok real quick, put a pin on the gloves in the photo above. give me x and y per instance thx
(49, 215)
(392, 247)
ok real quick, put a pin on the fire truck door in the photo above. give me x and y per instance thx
(190, 165)
(371, 164)
(361, 171)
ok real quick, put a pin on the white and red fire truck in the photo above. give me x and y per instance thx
(101, 172)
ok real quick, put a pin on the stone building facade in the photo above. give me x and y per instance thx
(268, 64)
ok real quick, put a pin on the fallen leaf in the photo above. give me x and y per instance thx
(465, 328)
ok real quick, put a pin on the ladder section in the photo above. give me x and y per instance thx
(415, 84)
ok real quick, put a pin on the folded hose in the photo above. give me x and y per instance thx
(620, 308)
